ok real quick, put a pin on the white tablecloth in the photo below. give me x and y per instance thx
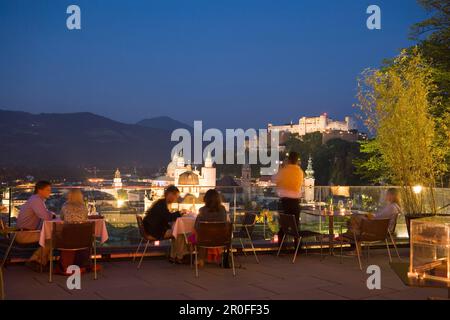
(47, 228)
(183, 225)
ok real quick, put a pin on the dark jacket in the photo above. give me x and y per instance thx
(157, 218)
(206, 215)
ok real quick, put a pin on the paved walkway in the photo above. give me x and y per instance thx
(273, 278)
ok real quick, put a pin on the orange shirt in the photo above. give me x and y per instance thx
(289, 181)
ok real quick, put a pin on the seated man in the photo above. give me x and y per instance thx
(30, 218)
(157, 218)
(390, 211)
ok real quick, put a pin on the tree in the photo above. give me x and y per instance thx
(433, 36)
(396, 104)
(370, 165)
(332, 161)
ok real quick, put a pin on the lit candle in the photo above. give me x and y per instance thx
(275, 238)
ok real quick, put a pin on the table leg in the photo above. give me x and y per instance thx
(331, 233)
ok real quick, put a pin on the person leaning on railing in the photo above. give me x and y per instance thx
(289, 182)
(30, 218)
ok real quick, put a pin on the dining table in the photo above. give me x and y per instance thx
(332, 215)
(184, 225)
(47, 229)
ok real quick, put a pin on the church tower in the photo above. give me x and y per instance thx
(117, 183)
(246, 180)
(209, 172)
(309, 182)
(180, 167)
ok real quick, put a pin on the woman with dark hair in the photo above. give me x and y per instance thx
(213, 211)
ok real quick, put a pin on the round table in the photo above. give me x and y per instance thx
(331, 214)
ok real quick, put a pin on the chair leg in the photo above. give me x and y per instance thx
(357, 251)
(8, 250)
(137, 251)
(41, 268)
(251, 243)
(95, 261)
(296, 249)
(232, 260)
(196, 262)
(243, 248)
(321, 248)
(306, 248)
(389, 251)
(2, 288)
(281, 245)
(50, 273)
(190, 254)
(342, 250)
(395, 245)
(143, 254)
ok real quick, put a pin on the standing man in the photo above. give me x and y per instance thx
(31, 216)
(289, 181)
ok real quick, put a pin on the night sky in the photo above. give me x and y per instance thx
(230, 63)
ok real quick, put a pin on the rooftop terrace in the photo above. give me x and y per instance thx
(273, 279)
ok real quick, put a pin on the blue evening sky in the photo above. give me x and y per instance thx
(230, 63)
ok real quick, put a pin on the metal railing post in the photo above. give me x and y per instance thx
(10, 206)
(234, 204)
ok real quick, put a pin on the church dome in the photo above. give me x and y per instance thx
(188, 178)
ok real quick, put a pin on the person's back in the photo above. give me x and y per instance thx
(391, 211)
(74, 212)
(207, 215)
(213, 211)
(289, 181)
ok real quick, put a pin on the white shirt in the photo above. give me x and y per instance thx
(390, 211)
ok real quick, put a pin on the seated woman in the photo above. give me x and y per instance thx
(213, 211)
(390, 211)
(74, 211)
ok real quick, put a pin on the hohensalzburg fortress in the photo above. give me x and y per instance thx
(315, 124)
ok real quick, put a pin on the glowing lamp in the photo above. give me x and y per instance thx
(417, 189)
(275, 238)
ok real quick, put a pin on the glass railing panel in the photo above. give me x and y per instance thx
(120, 206)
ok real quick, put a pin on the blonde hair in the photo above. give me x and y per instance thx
(75, 196)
